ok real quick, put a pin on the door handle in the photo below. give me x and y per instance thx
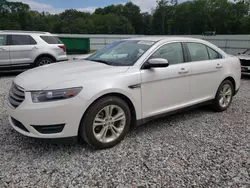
(34, 48)
(183, 71)
(218, 66)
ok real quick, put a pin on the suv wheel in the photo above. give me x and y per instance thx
(44, 61)
(224, 96)
(105, 123)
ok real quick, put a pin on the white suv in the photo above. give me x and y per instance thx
(127, 82)
(22, 49)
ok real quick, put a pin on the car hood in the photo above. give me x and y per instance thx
(230, 55)
(244, 56)
(42, 77)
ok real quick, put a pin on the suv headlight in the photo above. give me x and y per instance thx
(53, 95)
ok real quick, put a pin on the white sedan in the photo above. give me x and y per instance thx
(126, 83)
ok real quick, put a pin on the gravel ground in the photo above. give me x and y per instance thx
(198, 148)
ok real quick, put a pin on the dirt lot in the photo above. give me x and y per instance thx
(198, 148)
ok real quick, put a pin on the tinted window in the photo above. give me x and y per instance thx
(3, 40)
(21, 40)
(122, 53)
(32, 41)
(213, 54)
(51, 39)
(198, 52)
(172, 52)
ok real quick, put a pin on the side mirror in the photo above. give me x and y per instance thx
(156, 63)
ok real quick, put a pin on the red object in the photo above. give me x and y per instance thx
(62, 47)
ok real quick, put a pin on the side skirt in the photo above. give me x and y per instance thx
(16, 67)
(145, 120)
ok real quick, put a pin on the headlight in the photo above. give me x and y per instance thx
(53, 95)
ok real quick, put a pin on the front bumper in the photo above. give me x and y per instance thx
(245, 70)
(48, 120)
(245, 73)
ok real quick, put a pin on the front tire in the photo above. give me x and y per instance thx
(224, 96)
(105, 123)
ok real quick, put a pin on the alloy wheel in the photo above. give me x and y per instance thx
(109, 123)
(225, 96)
(44, 62)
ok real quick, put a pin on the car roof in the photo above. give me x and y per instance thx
(166, 38)
(23, 32)
(163, 39)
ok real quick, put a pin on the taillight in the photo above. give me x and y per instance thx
(62, 47)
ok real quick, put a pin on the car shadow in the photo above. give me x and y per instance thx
(31, 144)
(10, 74)
(245, 77)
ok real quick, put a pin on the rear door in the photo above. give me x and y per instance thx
(207, 68)
(4, 51)
(22, 49)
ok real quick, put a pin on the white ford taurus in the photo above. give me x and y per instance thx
(125, 83)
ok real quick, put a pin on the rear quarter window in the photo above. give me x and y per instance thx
(3, 40)
(213, 54)
(51, 39)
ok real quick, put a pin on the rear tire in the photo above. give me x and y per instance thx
(43, 61)
(224, 96)
(105, 123)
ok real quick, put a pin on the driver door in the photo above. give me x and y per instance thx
(166, 89)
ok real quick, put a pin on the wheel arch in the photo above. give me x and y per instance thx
(45, 55)
(119, 95)
(230, 78)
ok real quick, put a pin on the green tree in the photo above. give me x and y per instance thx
(169, 17)
(111, 24)
(13, 15)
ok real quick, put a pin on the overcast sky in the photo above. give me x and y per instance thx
(56, 6)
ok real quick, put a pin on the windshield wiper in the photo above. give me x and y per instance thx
(101, 61)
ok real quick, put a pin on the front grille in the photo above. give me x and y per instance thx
(245, 62)
(16, 95)
(19, 124)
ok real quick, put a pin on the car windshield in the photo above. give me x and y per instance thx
(121, 53)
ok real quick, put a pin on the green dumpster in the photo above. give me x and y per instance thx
(76, 45)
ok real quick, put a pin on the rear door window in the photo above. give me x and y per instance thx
(21, 40)
(198, 52)
(51, 39)
(3, 40)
